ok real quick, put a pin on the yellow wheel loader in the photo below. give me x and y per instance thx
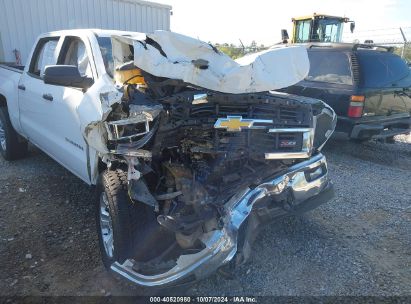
(317, 28)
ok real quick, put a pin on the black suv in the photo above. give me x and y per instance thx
(368, 87)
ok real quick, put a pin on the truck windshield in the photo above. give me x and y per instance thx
(381, 69)
(106, 51)
(303, 31)
(332, 67)
(328, 30)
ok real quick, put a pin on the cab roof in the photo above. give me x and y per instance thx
(320, 16)
(95, 31)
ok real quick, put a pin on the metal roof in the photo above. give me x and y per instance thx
(149, 3)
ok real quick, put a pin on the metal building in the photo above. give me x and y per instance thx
(21, 21)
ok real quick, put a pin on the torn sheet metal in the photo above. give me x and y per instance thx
(175, 56)
(93, 111)
(143, 112)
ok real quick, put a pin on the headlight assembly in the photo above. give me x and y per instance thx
(325, 123)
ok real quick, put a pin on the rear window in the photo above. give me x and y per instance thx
(44, 55)
(381, 69)
(331, 67)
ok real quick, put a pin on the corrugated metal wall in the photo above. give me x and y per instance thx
(21, 21)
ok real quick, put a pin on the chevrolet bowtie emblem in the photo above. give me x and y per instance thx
(237, 123)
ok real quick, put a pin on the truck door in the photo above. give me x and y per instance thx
(34, 107)
(60, 134)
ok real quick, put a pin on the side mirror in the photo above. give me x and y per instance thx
(352, 26)
(66, 75)
(284, 36)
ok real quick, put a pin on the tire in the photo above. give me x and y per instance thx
(122, 216)
(12, 145)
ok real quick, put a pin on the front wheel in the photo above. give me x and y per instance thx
(120, 222)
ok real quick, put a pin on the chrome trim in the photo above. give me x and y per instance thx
(221, 245)
(250, 123)
(106, 225)
(133, 148)
(286, 155)
(334, 124)
(199, 99)
(290, 130)
(113, 131)
(200, 96)
(306, 149)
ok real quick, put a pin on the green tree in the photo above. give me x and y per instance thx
(236, 51)
(407, 52)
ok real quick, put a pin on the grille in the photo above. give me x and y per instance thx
(261, 140)
(254, 143)
(355, 68)
(281, 115)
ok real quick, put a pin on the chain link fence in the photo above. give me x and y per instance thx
(398, 38)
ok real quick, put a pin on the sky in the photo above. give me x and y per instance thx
(220, 21)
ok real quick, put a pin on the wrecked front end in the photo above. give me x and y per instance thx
(211, 166)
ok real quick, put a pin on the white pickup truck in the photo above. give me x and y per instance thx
(189, 150)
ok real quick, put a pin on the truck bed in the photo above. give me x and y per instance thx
(12, 67)
(9, 80)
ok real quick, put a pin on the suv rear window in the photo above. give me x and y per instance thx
(332, 67)
(381, 69)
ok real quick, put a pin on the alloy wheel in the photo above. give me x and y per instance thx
(2, 137)
(106, 227)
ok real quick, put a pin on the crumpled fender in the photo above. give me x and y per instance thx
(93, 111)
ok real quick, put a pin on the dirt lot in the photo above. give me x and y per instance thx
(357, 244)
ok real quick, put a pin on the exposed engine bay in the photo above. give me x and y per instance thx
(199, 159)
(188, 153)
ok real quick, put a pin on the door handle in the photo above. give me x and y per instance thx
(21, 87)
(48, 97)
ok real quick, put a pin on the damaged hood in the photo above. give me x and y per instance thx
(171, 55)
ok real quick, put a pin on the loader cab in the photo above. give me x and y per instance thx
(319, 28)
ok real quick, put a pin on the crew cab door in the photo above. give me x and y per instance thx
(34, 109)
(48, 112)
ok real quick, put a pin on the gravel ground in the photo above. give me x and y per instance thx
(357, 244)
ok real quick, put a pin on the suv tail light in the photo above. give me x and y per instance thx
(356, 106)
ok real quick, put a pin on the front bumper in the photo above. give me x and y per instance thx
(301, 187)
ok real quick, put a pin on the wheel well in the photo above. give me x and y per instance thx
(3, 102)
(101, 166)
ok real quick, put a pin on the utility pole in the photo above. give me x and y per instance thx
(242, 45)
(405, 43)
